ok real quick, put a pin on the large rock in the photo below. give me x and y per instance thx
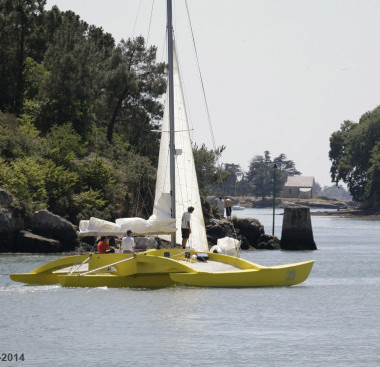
(30, 242)
(268, 242)
(218, 228)
(251, 229)
(47, 224)
(10, 224)
(5, 198)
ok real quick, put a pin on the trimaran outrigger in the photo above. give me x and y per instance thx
(195, 266)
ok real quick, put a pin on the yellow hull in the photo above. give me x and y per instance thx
(267, 277)
(45, 274)
(37, 279)
(117, 281)
(163, 268)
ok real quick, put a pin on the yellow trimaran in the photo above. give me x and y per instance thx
(195, 266)
(163, 268)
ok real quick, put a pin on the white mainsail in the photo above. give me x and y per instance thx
(186, 183)
(187, 191)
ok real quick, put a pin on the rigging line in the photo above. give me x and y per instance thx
(200, 75)
(137, 15)
(143, 198)
(167, 131)
(144, 208)
(187, 116)
(137, 201)
(203, 90)
(137, 197)
(150, 22)
(151, 194)
(76, 267)
(180, 186)
(184, 89)
(164, 48)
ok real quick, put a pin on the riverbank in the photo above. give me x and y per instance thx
(351, 213)
(343, 209)
(253, 202)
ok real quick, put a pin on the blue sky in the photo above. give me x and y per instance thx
(278, 75)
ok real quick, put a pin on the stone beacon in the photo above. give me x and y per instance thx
(297, 233)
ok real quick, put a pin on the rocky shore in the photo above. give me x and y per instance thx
(46, 232)
(50, 233)
(248, 230)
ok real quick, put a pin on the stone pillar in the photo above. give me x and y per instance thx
(297, 233)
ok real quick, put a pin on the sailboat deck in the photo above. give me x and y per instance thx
(210, 266)
(75, 269)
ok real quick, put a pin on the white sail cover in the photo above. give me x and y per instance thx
(139, 226)
(187, 191)
(227, 246)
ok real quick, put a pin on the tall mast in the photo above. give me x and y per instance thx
(171, 111)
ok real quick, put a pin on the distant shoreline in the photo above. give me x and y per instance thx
(353, 213)
(342, 209)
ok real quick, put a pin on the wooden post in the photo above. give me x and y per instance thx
(297, 233)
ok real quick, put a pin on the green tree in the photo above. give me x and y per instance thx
(261, 173)
(284, 168)
(87, 204)
(354, 153)
(209, 173)
(232, 183)
(133, 83)
(60, 187)
(63, 145)
(18, 137)
(25, 179)
(20, 37)
(96, 174)
(72, 70)
(373, 184)
(136, 177)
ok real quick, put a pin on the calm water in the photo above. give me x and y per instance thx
(333, 319)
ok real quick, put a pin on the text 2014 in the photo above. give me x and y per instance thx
(12, 357)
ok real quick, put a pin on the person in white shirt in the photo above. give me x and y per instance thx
(228, 203)
(185, 226)
(128, 243)
(221, 206)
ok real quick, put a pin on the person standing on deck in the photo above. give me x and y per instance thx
(128, 243)
(221, 206)
(185, 226)
(228, 207)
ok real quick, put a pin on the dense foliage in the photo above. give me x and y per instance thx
(209, 174)
(76, 114)
(355, 156)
